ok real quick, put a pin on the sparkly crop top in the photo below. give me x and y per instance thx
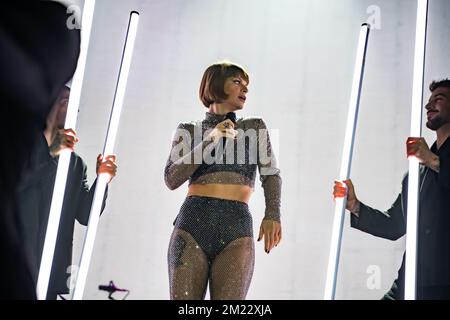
(201, 161)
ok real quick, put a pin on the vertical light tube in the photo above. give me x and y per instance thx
(416, 131)
(352, 117)
(64, 157)
(108, 149)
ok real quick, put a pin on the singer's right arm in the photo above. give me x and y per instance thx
(181, 165)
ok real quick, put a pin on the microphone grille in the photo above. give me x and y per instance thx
(231, 116)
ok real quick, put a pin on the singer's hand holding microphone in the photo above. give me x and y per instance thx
(224, 129)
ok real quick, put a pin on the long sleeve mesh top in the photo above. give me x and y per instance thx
(201, 161)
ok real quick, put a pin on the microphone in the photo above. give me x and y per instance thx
(231, 116)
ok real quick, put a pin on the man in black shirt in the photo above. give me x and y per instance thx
(36, 191)
(433, 252)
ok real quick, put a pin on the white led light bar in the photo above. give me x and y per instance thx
(416, 131)
(108, 149)
(64, 157)
(352, 117)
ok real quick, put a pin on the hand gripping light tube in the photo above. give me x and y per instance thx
(64, 157)
(352, 117)
(416, 131)
(108, 149)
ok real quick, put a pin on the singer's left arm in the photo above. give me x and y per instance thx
(271, 182)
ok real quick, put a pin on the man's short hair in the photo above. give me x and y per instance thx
(445, 83)
(213, 81)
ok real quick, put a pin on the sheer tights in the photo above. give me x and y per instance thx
(229, 273)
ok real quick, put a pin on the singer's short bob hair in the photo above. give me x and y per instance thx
(213, 81)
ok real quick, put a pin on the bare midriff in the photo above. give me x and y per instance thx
(234, 192)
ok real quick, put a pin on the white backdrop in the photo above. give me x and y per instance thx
(300, 55)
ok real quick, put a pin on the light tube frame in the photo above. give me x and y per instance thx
(108, 149)
(352, 117)
(65, 155)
